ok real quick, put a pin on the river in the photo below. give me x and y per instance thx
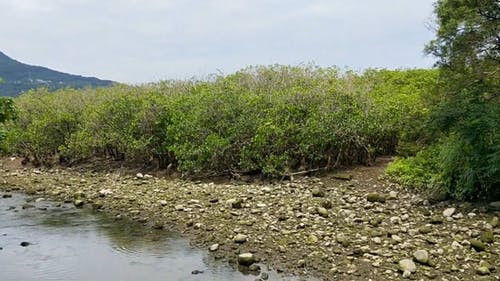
(61, 242)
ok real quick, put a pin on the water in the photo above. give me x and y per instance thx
(73, 244)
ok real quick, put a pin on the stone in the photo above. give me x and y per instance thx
(483, 270)
(196, 272)
(213, 247)
(424, 230)
(421, 256)
(7, 195)
(477, 245)
(163, 202)
(494, 222)
(312, 239)
(318, 192)
(235, 203)
(264, 276)
(436, 220)
(322, 212)
(494, 206)
(24, 244)
(342, 176)
(327, 204)
(179, 208)
(376, 221)
(448, 212)
(246, 259)
(393, 195)
(240, 238)
(105, 192)
(342, 239)
(254, 268)
(139, 176)
(78, 203)
(375, 197)
(487, 236)
(407, 265)
(301, 263)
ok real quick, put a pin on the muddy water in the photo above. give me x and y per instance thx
(65, 243)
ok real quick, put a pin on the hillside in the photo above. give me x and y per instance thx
(19, 77)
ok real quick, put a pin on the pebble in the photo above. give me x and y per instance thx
(407, 265)
(246, 259)
(421, 256)
(240, 238)
(213, 247)
(448, 212)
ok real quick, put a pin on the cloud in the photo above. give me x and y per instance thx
(139, 41)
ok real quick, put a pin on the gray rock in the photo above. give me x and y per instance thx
(312, 239)
(254, 268)
(264, 276)
(407, 265)
(495, 206)
(421, 256)
(163, 202)
(487, 236)
(483, 270)
(78, 203)
(25, 244)
(318, 192)
(240, 238)
(494, 222)
(179, 208)
(448, 212)
(375, 197)
(235, 203)
(196, 272)
(322, 212)
(213, 247)
(246, 259)
(436, 220)
(477, 245)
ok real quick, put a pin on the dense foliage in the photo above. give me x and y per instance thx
(19, 77)
(465, 121)
(270, 120)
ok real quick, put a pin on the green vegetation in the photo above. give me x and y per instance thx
(464, 159)
(270, 120)
(19, 78)
(7, 113)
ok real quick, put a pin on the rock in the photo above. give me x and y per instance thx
(179, 208)
(240, 238)
(254, 268)
(407, 265)
(264, 276)
(246, 259)
(327, 204)
(105, 192)
(342, 176)
(487, 236)
(438, 196)
(301, 263)
(477, 245)
(322, 212)
(397, 238)
(421, 256)
(483, 270)
(342, 239)
(312, 239)
(424, 230)
(494, 222)
(78, 203)
(375, 197)
(318, 192)
(139, 176)
(7, 195)
(448, 212)
(376, 221)
(494, 206)
(235, 203)
(213, 247)
(393, 195)
(25, 244)
(436, 220)
(196, 272)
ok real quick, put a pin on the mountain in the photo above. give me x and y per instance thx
(19, 77)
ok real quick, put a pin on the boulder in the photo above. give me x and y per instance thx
(246, 259)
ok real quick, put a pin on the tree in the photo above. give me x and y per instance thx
(467, 115)
(7, 112)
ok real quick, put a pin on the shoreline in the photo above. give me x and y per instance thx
(327, 228)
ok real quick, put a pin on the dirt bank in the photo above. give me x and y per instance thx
(334, 229)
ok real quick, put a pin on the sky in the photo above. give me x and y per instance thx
(139, 41)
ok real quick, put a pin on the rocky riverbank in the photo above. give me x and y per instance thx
(333, 227)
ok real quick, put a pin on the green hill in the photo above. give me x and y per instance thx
(19, 77)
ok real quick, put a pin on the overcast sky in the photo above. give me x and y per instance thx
(148, 40)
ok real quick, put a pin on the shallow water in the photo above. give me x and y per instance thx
(67, 244)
